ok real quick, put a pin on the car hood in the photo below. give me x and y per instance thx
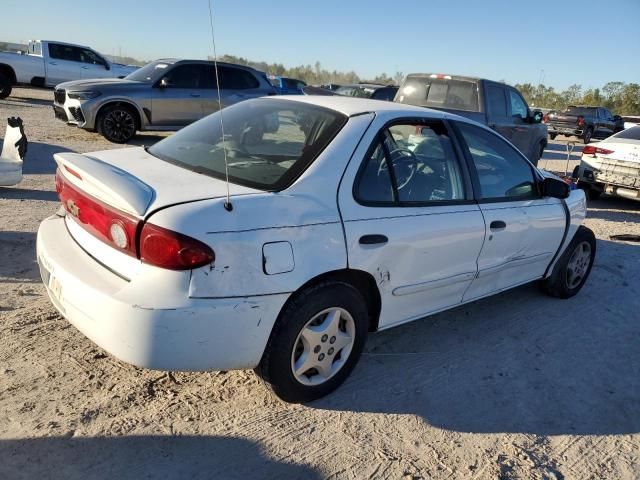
(102, 83)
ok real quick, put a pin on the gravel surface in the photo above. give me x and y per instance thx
(516, 386)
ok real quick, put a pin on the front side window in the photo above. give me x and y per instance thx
(502, 172)
(89, 56)
(411, 163)
(269, 142)
(518, 107)
(186, 76)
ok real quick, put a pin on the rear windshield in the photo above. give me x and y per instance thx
(269, 142)
(632, 133)
(440, 93)
(150, 72)
(584, 111)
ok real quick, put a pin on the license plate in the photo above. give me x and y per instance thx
(50, 280)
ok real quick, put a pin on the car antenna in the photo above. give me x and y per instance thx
(227, 204)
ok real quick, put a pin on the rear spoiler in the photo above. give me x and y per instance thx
(106, 182)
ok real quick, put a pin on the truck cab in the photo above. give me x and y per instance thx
(497, 105)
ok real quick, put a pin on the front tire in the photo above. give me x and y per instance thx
(118, 123)
(572, 269)
(315, 343)
(5, 86)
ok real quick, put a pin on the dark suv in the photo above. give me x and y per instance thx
(368, 90)
(495, 104)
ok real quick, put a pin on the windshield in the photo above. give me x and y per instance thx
(150, 72)
(269, 142)
(440, 93)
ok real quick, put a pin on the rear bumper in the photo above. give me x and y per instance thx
(196, 334)
(565, 130)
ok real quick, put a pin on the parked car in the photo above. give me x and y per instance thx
(352, 216)
(497, 105)
(48, 63)
(287, 86)
(612, 166)
(330, 86)
(163, 95)
(583, 122)
(368, 90)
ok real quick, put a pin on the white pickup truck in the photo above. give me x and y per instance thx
(48, 63)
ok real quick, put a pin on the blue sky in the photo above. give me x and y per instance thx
(586, 42)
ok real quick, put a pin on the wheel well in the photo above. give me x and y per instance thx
(361, 281)
(8, 72)
(131, 106)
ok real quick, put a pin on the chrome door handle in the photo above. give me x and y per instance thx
(373, 239)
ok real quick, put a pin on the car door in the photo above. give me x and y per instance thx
(236, 84)
(93, 65)
(523, 132)
(409, 218)
(497, 110)
(63, 64)
(608, 123)
(523, 229)
(177, 98)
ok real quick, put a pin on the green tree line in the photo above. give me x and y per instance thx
(619, 97)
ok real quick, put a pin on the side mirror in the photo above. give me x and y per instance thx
(107, 66)
(164, 82)
(556, 188)
(537, 117)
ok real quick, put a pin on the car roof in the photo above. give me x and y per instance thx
(208, 62)
(352, 106)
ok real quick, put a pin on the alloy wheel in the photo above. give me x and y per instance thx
(578, 265)
(323, 346)
(119, 125)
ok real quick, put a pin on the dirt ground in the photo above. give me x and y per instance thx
(517, 386)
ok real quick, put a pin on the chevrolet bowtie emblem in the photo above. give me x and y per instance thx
(73, 208)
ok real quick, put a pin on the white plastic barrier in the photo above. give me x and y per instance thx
(14, 150)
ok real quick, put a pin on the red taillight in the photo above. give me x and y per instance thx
(581, 121)
(545, 119)
(112, 226)
(168, 249)
(592, 150)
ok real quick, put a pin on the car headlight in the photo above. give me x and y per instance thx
(84, 95)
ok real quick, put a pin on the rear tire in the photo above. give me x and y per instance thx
(5, 86)
(299, 363)
(553, 136)
(586, 137)
(572, 269)
(118, 123)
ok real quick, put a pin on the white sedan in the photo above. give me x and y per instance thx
(345, 216)
(612, 166)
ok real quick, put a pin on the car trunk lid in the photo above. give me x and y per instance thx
(125, 187)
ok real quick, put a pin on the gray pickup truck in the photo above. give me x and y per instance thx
(585, 122)
(495, 104)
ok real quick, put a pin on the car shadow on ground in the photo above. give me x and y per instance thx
(614, 209)
(140, 457)
(18, 257)
(516, 362)
(558, 151)
(27, 102)
(39, 159)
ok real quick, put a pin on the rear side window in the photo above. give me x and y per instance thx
(387, 94)
(496, 103)
(502, 172)
(64, 52)
(440, 93)
(410, 164)
(236, 79)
